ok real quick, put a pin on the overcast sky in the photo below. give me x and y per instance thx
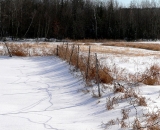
(127, 2)
(124, 2)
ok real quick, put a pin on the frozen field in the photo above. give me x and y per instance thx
(40, 93)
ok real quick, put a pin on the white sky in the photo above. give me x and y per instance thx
(127, 2)
(124, 2)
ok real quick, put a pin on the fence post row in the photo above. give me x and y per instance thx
(88, 62)
(77, 58)
(97, 75)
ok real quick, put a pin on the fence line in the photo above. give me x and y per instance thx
(90, 70)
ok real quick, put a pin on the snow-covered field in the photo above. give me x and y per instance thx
(131, 59)
(41, 93)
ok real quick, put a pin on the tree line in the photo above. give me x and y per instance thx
(79, 19)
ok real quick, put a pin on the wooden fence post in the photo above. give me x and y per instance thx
(57, 50)
(88, 62)
(62, 50)
(97, 75)
(66, 51)
(77, 58)
(71, 55)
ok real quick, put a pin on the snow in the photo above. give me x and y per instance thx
(132, 60)
(150, 42)
(40, 93)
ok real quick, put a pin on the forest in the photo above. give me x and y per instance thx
(79, 19)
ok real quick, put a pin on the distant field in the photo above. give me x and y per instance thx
(149, 46)
(155, 46)
(102, 47)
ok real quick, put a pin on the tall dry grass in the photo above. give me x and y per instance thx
(71, 55)
(151, 76)
(30, 49)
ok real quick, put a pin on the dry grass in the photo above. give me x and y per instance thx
(123, 124)
(125, 113)
(71, 55)
(109, 123)
(87, 41)
(130, 92)
(31, 49)
(137, 124)
(151, 76)
(152, 120)
(152, 117)
(111, 102)
(118, 88)
(141, 101)
(154, 47)
(157, 127)
(126, 51)
(104, 75)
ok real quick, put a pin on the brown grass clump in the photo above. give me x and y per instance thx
(152, 117)
(141, 101)
(156, 127)
(18, 53)
(111, 102)
(18, 49)
(152, 75)
(104, 75)
(125, 113)
(118, 88)
(130, 92)
(109, 123)
(137, 124)
(123, 124)
(152, 120)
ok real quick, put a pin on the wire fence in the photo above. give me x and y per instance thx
(88, 64)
